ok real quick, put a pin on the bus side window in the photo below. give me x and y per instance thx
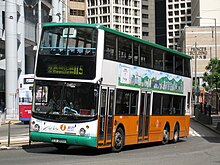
(156, 104)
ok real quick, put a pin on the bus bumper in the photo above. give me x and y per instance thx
(67, 139)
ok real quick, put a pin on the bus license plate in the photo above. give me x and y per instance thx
(58, 141)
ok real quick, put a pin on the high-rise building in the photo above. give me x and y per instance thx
(135, 17)
(122, 15)
(171, 17)
(75, 11)
(204, 13)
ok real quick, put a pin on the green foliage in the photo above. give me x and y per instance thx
(212, 74)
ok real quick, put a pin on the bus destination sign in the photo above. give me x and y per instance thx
(67, 70)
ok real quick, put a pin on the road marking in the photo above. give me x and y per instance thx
(193, 132)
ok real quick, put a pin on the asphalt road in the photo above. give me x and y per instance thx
(202, 147)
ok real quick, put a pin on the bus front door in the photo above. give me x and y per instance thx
(143, 127)
(107, 95)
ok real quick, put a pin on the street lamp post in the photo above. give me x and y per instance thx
(195, 85)
(216, 51)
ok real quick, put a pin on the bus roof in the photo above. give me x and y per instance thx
(118, 33)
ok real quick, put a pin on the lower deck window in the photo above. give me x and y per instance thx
(126, 102)
(164, 104)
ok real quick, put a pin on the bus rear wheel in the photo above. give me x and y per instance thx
(176, 134)
(166, 135)
(118, 140)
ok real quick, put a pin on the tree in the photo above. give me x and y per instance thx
(212, 77)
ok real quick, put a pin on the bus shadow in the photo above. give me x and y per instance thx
(85, 151)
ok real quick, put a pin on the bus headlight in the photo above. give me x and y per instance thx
(82, 132)
(36, 127)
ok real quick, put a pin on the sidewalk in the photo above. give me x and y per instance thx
(16, 140)
(215, 119)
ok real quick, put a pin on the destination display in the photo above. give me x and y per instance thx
(66, 67)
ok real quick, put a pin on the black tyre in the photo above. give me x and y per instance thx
(60, 146)
(176, 134)
(118, 140)
(166, 135)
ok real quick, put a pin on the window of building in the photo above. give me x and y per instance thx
(188, 11)
(183, 19)
(170, 13)
(177, 33)
(77, 0)
(182, 5)
(176, 6)
(176, 19)
(176, 13)
(170, 6)
(77, 12)
(183, 12)
(177, 26)
(145, 15)
(145, 7)
(189, 18)
(145, 24)
(145, 33)
(170, 20)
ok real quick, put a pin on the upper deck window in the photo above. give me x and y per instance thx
(68, 41)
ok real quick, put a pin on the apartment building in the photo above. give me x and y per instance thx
(171, 17)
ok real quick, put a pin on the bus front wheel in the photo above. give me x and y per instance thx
(118, 140)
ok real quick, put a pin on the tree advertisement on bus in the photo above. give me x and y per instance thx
(138, 77)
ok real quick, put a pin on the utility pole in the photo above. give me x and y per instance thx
(39, 21)
(11, 59)
(195, 85)
(56, 16)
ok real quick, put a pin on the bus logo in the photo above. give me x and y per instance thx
(63, 127)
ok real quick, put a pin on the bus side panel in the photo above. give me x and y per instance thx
(130, 124)
(157, 124)
(25, 112)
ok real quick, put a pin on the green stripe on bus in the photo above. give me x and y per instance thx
(70, 139)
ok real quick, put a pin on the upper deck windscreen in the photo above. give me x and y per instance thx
(67, 52)
(58, 40)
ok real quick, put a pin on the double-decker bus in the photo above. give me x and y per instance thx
(98, 87)
(25, 97)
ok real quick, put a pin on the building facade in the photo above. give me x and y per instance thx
(30, 15)
(199, 42)
(202, 38)
(171, 17)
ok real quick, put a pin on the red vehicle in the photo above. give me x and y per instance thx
(25, 97)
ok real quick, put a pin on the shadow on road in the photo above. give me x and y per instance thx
(83, 151)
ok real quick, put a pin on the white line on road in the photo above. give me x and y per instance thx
(193, 132)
